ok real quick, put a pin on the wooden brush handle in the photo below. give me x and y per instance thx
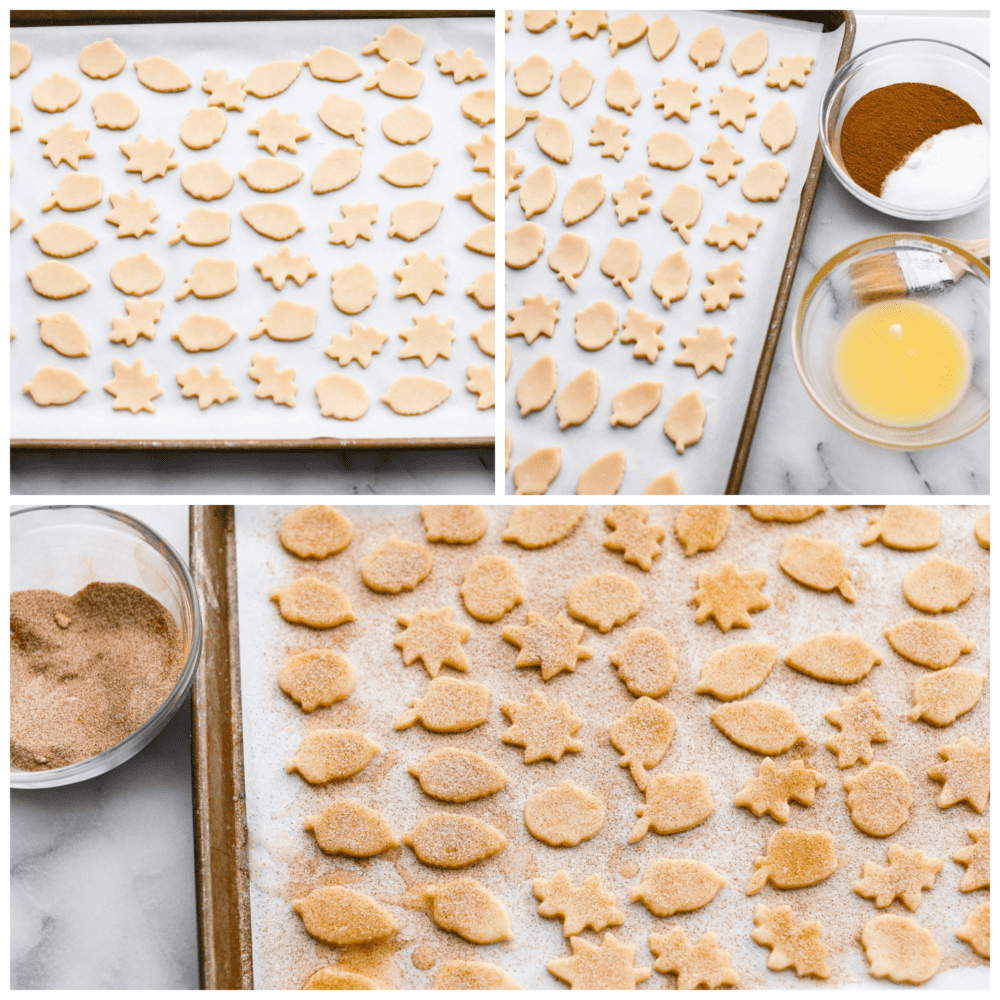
(978, 248)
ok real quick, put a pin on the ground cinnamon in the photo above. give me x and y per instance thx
(886, 125)
(86, 671)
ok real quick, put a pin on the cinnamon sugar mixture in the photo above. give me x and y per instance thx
(86, 671)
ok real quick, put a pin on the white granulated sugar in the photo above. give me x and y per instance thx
(286, 863)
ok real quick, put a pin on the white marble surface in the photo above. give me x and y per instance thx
(102, 889)
(796, 448)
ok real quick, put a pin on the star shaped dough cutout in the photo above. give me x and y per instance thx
(908, 873)
(676, 97)
(610, 134)
(857, 718)
(358, 222)
(422, 276)
(277, 385)
(427, 339)
(704, 963)
(535, 317)
(132, 388)
(228, 94)
(586, 22)
(608, 967)
(793, 70)
(433, 638)
(483, 152)
(732, 106)
(799, 946)
(710, 349)
(480, 381)
(729, 596)
(276, 131)
(65, 144)
(773, 788)
(215, 387)
(131, 214)
(589, 906)
(143, 315)
(467, 66)
(976, 858)
(965, 773)
(628, 203)
(512, 170)
(552, 645)
(723, 157)
(279, 267)
(632, 536)
(642, 330)
(546, 733)
(150, 159)
(363, 342)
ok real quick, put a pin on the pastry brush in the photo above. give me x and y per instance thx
(896, 274)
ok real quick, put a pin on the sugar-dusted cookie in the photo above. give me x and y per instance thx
(272, 384)
(857, 718)
(396, 565)
(344, 917)
(725, 285)
(646, 663)
(314, 602)
(54, 386)
(604, 600)
(764, 181)
(610, 135)
(642, 736)
(762, 726)
(535, 527)
(674, 802)
(351, 829)
(908, 873)
(965, 774)
(454, 775)
(677, 885)
(451, 840)
(433, 638)
(456, 524)
(879, 799)
(701, 964)
(215, 387)
(287, 320)
(728, 596)
(114, 109)
(701, 529)
(609, 966)
(836, 657)
(467, 908)
(738, 229)
(904, 527)
(930, 643)
(332, 755)
(898, 948)
(132, 388)
(537, 316)
(632, 536)
(976, 930)
(65, 144)
(448, 706)
(459, 975)
(467, 66)
(793, 69)
(333, 977)
(545, 731)
(706, 49)
(787, 514)
(942, 697)
(976, 859)
(711, 348)
(552, 645)
(564, 815)
(397, 79)
(938, 585)
(734, 671)
(396, 43)
(490, 588)
(774, 787)
(748, 56)
(626, 31)
(143, 315)
(794, 859)
(317, 678)
(983, 530)
(799, 946)
(590, 905)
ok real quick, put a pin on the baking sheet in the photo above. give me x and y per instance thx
(285, 863)
(703, 468)
(239, 47)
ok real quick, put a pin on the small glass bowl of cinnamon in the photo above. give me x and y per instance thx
(911, 60)
(66, 548)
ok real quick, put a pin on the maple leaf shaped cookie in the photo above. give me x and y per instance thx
(773, 788)
(701, 964)
(729, 596)
(279, 267)
(976, 858)
(588, 906)
(150, 159)
(676, 97)
(65, 144)
(467, 66)
(552, 645)
(800, 947)
(433, 638)
(537, 316)
(725, 285)
(427, 339)
(608, 967)
(215, 387)
(132, 215)
(276, 131)
(363, 342)
(610, 135)
(908, 873)
(858, 721)
(629, 204)
(358, 222)
(132, 388)
(223, 93)
(422, 276)
(966, 774)
(641, 329)
(710, 349)
(794, 69)
(273, 384)
(631, 536)
(976, 930)
(545, 732)
(143, 315)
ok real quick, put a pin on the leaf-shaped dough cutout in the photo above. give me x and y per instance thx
(63, 333)
(448, 706)
(460, 975)
(63, 239)
(344, 917)
(467, 908)
(677, 885)
(160, 74)
(633, 404)
(272, 219)
(564, 815)
(270, 174)
(332, 755)
(794, 859)
(762, 726)
(674, 803)
(56, 280)
(54, 386)
(837, 657)
(942, 697)
(352, 829)
(454, 775)
(535, 527)
(200, 332)
(450, 840)
(734, 671)
(412, 169)
(927, 642)
(412, 395)
(272, 78)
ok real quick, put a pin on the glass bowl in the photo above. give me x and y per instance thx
(911, 60)
(64, 549)
(828, 304)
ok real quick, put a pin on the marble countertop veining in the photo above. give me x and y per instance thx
(819, 457)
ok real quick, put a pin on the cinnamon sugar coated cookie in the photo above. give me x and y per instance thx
(642, 736)
(534, 527)
(794, 859)
(907, 528)
(458, 775)
(774, 787)
(448, 706)
(976, 859)
(313, 602)
(674, 803)
(564, 815)
(457, 525)
(396, 565)
(316, 532)
(879, 799)
(701, 529)
(817, 563)
(942, 697)
(909, 873)
(545, 731)
(677, 885)
(646, 663)
(857, 718)
(352, 829)
(434, 638)
(607, 967)
(459, 975)
(490, 588)
(976, 930)
(729, 596)
(332, 754)
(343, 917)
(450, 840)
(736, 670)
(836, 657)
(898, 948)
(633, 537)
(800, 947)
(552, 645)
(317, 678)
(937, 585)
(965, 774)
(928, 642)
(604, 601)
(467, 908)
(762, 726)
(588, 906)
